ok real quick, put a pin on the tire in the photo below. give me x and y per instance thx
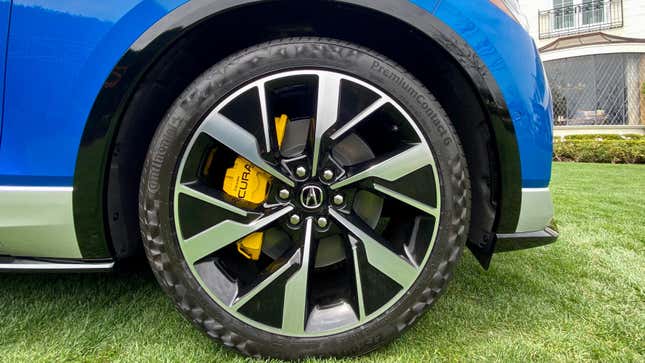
(161, 213)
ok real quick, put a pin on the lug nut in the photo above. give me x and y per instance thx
(294, 219)
(284, 194)
(328, 175)
(301, 171)
(338, 199)
(322, 222)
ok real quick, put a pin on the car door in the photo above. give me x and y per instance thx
(5, 11)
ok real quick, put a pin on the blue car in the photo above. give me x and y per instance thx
(302, 176)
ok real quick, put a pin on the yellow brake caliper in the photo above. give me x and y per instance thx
(246, 182)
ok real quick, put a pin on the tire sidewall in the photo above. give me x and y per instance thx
(186, 114)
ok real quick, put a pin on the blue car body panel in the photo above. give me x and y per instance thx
(5, 13)
(514, 62)
(61, 53)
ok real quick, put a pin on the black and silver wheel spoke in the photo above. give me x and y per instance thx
(295, 294)
(223, 234)
(240, 301)
(424, 207)
(327, 112)
(264, 116)
(396, 267)
(358, 280)
(392, 168)
(199, 192)
(234, 137)
(359, 118)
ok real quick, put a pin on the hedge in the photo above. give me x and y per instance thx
(600, 149)
(605, 137)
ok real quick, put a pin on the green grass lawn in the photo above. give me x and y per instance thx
(582, 298)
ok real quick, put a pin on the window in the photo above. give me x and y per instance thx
(592, 12)
(563, 14)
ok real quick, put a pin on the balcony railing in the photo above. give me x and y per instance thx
(590, 16)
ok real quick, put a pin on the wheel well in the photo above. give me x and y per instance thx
(234, 30)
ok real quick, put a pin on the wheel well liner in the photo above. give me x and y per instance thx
(139, 90)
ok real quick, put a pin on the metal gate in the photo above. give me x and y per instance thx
(596, 89)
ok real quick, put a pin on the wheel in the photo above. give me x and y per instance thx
(304, 197)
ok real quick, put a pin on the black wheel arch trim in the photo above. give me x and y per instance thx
(97, 142)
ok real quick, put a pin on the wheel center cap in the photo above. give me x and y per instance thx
(311, 196)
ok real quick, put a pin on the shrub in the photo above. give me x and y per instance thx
(605, 137)
(591, 150)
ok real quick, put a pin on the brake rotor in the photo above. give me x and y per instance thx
(350, 151)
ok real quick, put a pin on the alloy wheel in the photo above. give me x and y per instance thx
(348, 217)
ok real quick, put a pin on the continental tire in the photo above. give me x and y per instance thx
(364, 200)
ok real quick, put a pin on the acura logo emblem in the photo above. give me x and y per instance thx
(311, 196)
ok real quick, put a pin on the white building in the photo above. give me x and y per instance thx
(594, 56)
